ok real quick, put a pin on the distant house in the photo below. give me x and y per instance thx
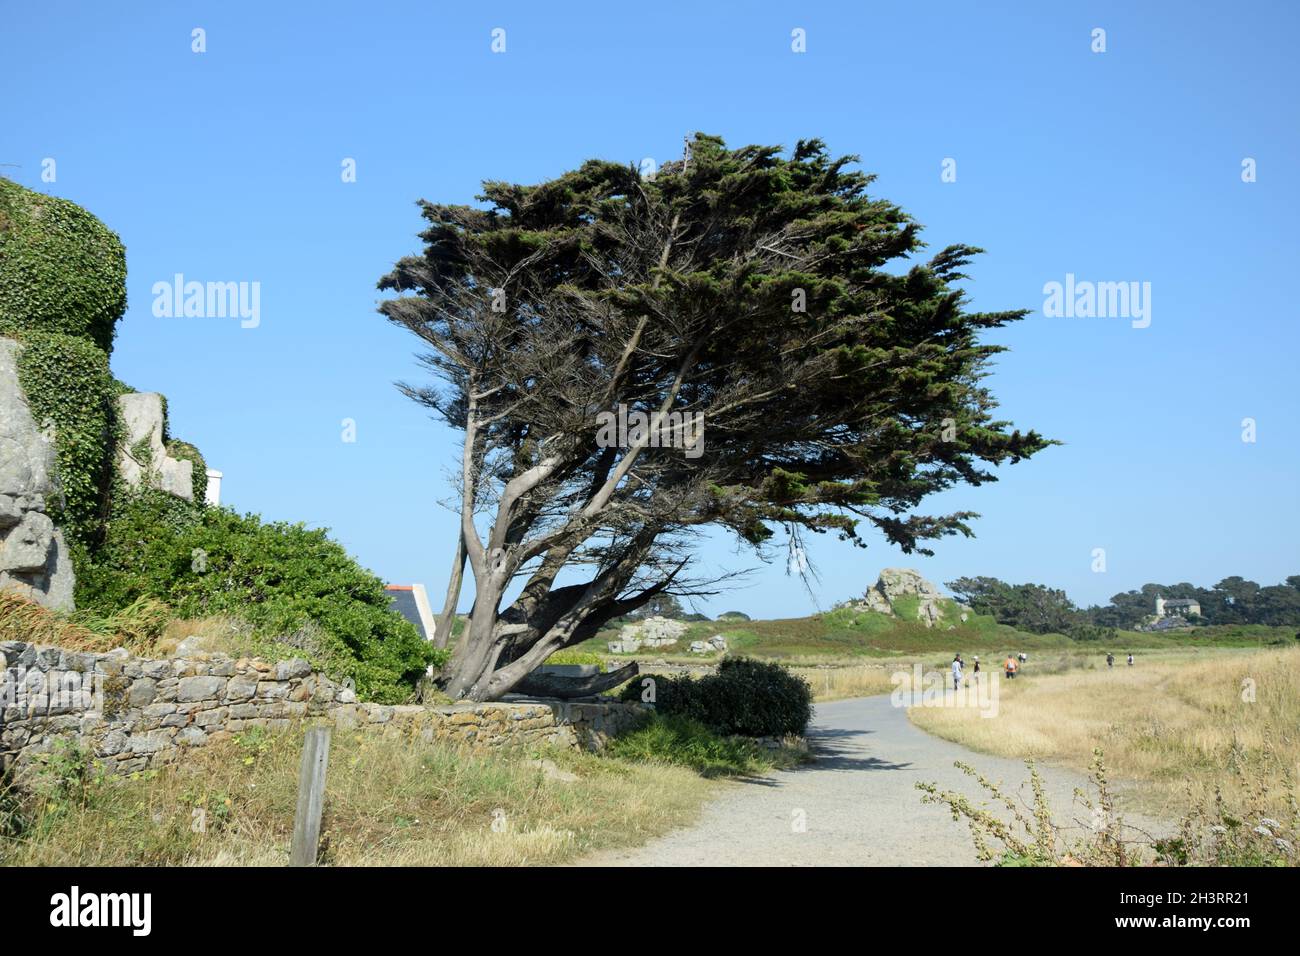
(1177, 607)
(411, 601)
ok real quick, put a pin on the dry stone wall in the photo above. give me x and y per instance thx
(131, 713)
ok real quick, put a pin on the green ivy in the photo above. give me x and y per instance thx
(67, 384)
(142, 454)
(61, 269)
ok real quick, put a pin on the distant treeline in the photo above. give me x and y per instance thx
(1043, 610)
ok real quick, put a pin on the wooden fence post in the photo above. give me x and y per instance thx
(311, 797)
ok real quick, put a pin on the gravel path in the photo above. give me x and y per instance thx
(858, 799)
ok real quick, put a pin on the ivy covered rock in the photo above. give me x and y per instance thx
(184, 451)
(34, 558)
(143, 458)
(61, 269)
(68, 387)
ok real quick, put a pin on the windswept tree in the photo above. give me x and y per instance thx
(745, 286)
(1029, 607)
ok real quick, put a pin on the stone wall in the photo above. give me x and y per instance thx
(131, 713)
(652, 632)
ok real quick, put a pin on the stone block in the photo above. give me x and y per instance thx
(142, 692)
(240, 688)
(199, 688)
(211, 718)
(287, 670)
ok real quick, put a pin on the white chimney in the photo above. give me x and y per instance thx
(213, 495)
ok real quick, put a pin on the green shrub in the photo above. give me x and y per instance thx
(61, 269)
(748, 697)
(734, 615)
(685, 742)
(1091, 632)
(283, 579)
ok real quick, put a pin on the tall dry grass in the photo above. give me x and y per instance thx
(1181, 727)
(389, 801)
(837, 680)
(855, 680)
(23, 620)
(136, 627)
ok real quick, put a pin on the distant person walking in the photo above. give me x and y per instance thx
(1130, 660)
(975, 676)
(1011, 667)
(1110, 660)
(957, 668)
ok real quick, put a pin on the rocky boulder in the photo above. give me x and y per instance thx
(896, 583)
(716, 643)
(654, 632)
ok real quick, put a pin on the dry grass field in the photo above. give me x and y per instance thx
(850, 680)
(1180, 725)
(388, 802)
(847, 677)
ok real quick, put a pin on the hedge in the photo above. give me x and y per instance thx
(745, 696)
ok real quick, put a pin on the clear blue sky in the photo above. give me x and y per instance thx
(1124, 165)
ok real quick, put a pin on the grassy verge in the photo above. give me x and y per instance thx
(1183, 726)
(389, 802)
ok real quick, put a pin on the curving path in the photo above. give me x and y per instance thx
(858, 799)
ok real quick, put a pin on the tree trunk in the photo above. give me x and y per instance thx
(446, 620)
(476, 653)
(553, 685)
(467, 678)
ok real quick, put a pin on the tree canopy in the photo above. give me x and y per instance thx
(748, 286)
(1042, 610)
(1027, 607)
(1234, 600)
